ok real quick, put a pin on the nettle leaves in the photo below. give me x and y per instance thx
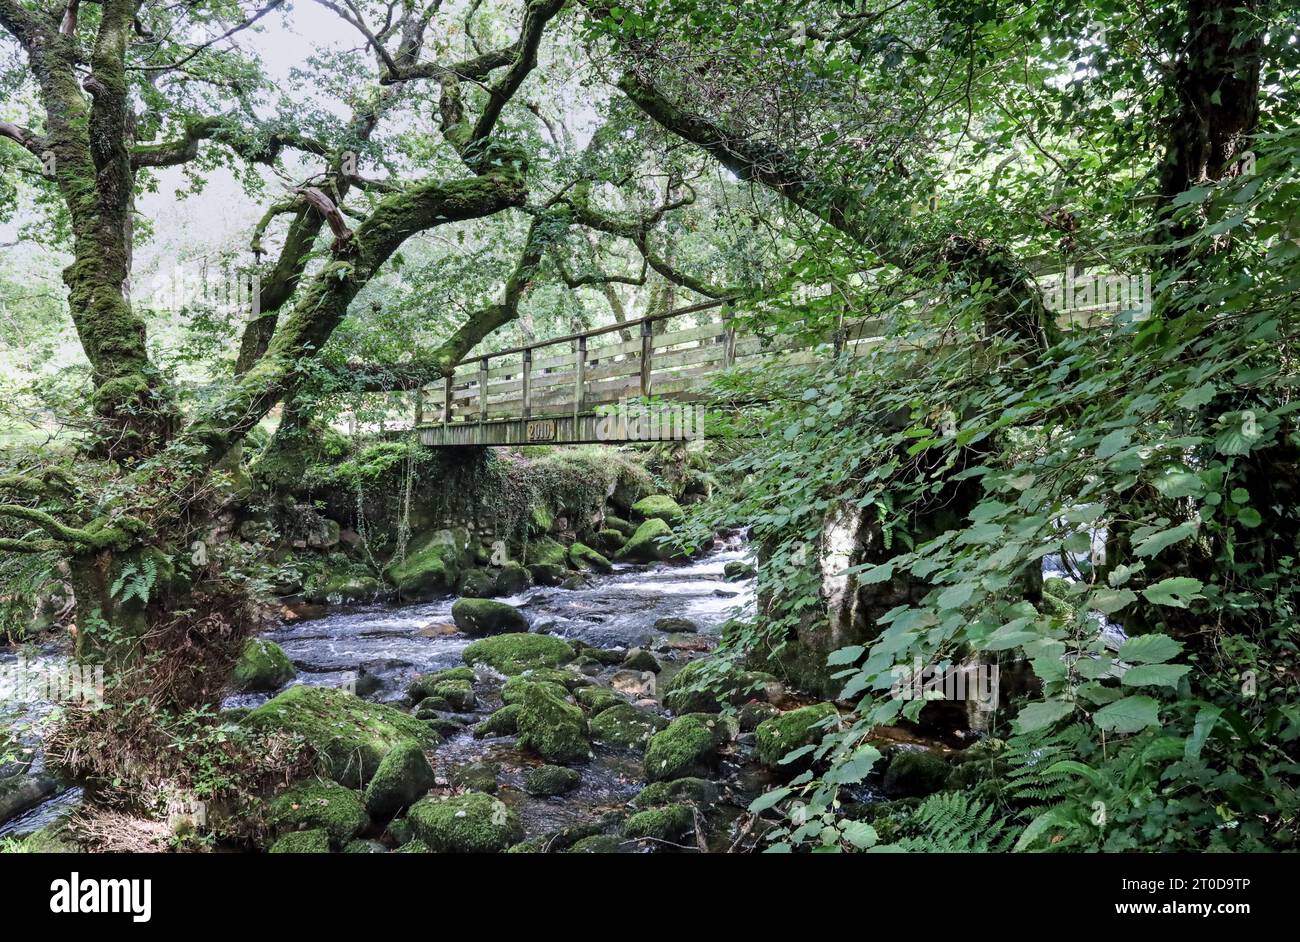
(1141, 662)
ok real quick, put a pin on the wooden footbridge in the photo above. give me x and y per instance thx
(638, 380)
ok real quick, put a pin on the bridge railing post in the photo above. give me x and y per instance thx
(419, 406)
(579, 380)
(446, 400)
(528, 382)
(728, 337)
(482, 390)
(647, 353)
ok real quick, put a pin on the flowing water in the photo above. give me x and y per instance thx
(378, 649)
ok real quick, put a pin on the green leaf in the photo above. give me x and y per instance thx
(956, 596)
(1206, 719)
(1154, 675)
(1041, 715)
(1110, 601)
(860, 834)
(1150, 649)
(1114, 443)
(1158, 541)
(1175, 592)
(845, 655)
(1130, 715)
(882, 573)
(769, 799)
(1195, 398)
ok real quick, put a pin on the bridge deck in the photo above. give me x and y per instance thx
(549, 392)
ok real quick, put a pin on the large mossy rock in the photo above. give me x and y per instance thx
(792, 730)
(584, 557)
(687, 748)
(262, 666)
(504, 722)
(552, 727)
(512, 579)
(432, 566)
(545, 551)
(423, 685)
(303, 842)
(658, 507)
(699, 791)
(708, 684)
(472, 823)
(403, 776)
(340, 588)
(915, 773)
(349, 735)
(666, 823)
(626, 725)
(643, 546)
(512, 654)
(513, 690)
(595, 699)
(479, 617)
(548, 780)
(322, 805)
(610, 541)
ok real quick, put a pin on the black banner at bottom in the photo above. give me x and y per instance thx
(131, 894)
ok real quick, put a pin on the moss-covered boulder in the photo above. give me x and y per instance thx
(639, 659)
(262, 666)
(511, 654)
(624, 527)
(545, 551)
(725, 729)
(512, 691)
(476, 584)
(644, 545)
(754, 713)
(302, 842)
(547, 574)
(583, 557)
(548, 780)
(504, 722)
(686, 748)
(339, 586)
(414, 847)
(476, 776)
(736, 571)
(472, 823)
(403, 776)
(665, 823)
(915, 773)
(422, 685)
(323, 805)
(598, 844)
(658, 507)
(365, 847)
(673, 624)
(432, 567)
(459, 694)
(709, 683)
(552, 727)
(512, 579)
(479, 617)
(595, 699)
(349, 735)
(699, 791)
(793, 730)
(610, 541)
(625, 725)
